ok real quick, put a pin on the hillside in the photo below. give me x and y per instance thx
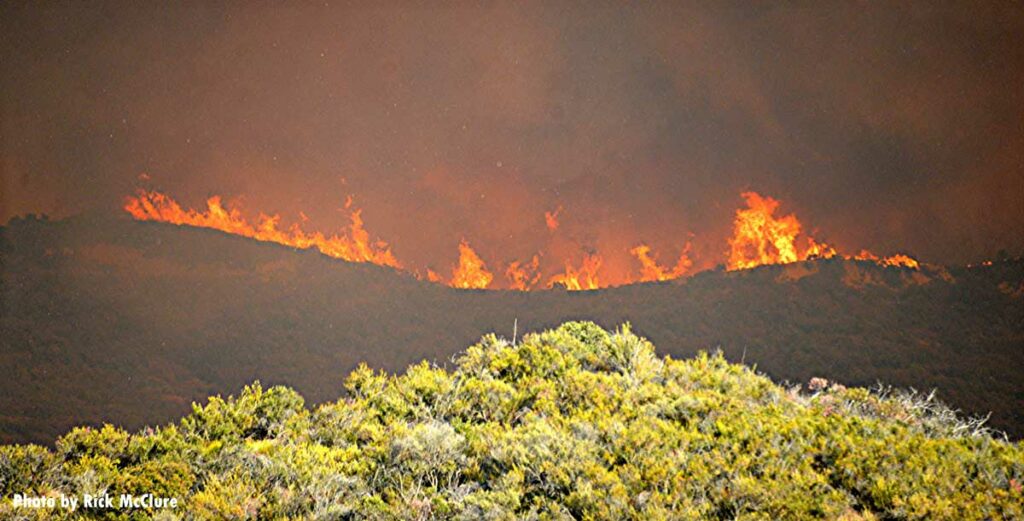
(575, 423)
(110, 320)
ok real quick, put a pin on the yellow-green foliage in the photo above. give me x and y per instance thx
(575, 423)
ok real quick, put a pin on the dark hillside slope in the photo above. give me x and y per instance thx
(128, 322)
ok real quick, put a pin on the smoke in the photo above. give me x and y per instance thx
(887, 127)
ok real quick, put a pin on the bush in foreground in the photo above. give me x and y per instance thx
(574, 423)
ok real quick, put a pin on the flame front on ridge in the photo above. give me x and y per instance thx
(759, 237)
(354, 246)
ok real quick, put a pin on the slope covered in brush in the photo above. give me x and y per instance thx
(105, 320)
(574, 423)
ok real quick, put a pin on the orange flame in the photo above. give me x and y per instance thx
(579, 279)
(761, 238)
(897, 261)
(901, 260)
(819, 250)
(551, 219)
(355, 246)
(651, 271)
(521, 276)
(471, 273)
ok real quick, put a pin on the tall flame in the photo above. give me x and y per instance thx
(651, 271)
(354, 246)
(471, 273)
(523, 276)
(761, 238)
(579, 279)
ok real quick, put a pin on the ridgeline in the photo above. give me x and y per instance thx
(112, 320)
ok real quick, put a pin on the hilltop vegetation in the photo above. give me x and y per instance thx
(574, 423)
(112, 320)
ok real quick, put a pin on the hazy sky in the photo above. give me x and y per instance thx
(882, 125)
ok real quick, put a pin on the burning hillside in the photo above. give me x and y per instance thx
(354, 245)
(759, 237)
(190, 313)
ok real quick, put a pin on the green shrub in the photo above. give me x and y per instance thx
(572, 423)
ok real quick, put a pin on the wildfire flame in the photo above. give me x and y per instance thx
(902, 260)
(759, 237)
(551, 219)
(819, 250)
(899, 259)
(651, 271)
(471, 273)
(579, 279)
(354, 246)
(523, 276)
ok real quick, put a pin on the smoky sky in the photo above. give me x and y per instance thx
(892, 127)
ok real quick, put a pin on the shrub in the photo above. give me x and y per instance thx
(572, 423)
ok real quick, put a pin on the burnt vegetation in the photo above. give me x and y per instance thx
(109, 320)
